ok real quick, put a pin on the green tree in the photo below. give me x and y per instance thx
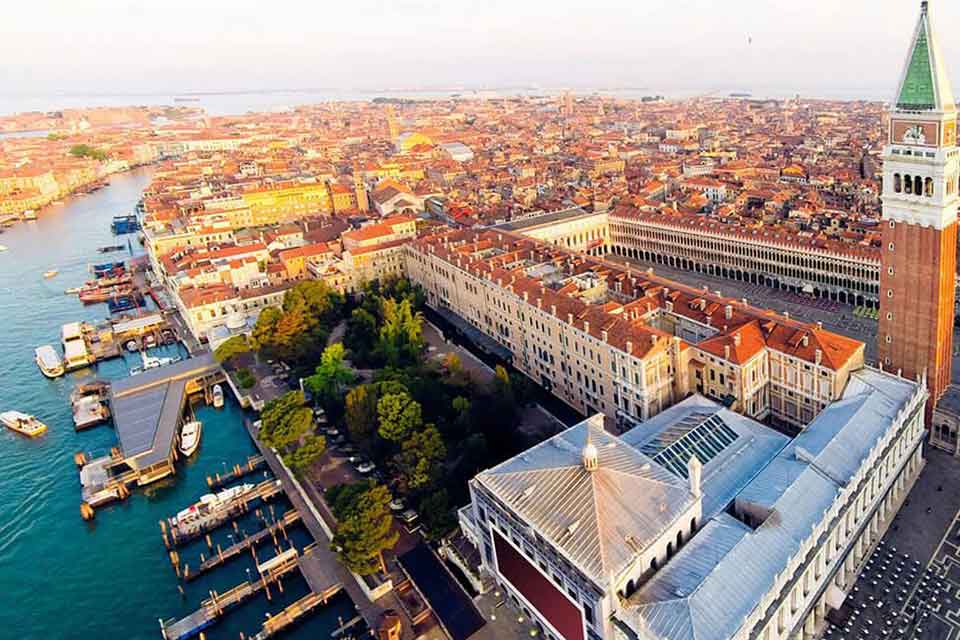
(285, 420)
(245, 378)
(332, 375)
(231, 347)
(436, 515)
(341, 497)
(399, 414)
(365, 531)
(262, 336)
(86, 151)
(362, 334)
(361, 414)
(401, 334)
(420, 458)
(291, 325)
(309, 451)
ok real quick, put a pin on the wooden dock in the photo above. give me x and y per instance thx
(175, 535)
(288, 519)
(252, 464)
(217, 604)
(302, 607)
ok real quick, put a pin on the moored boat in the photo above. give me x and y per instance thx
(208, 503)
(217, 396)
(51, 273)
(49, 361)
(190, 437)
(22, 423)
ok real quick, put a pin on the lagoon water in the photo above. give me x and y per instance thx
(61, 577)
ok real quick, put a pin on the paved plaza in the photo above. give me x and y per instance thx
(909, 586)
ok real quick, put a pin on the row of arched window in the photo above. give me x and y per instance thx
(914, 185)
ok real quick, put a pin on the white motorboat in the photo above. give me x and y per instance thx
(190, 437)
(3, 247)
(217, 396)
(49, 361)
(151, 362)
(52, 273)
(22, 423)
(207, 503)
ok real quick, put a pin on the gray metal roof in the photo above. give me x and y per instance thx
(725, 471)
(146, 408)
(600, 519)
(712, 585)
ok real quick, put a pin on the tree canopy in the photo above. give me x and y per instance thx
(86, 151)
(232, 347)
(364, 528)
(420, 458)
(285, 420)
(309, 451)
(332, 374)
(399, 416)
(361, 414)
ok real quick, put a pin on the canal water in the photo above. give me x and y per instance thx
(61, 577)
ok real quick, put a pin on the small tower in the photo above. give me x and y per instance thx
(393, 128)
(360, 190)
(591, 457)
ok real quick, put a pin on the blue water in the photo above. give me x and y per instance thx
(61, 577)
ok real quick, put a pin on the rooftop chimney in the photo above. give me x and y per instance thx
(726, 352)
(694, 472)
(629, 347)
(604, 335)
(819, 356)
(736, 339)
(591, 457)
(728, 312)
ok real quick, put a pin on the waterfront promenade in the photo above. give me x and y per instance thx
(325, 564)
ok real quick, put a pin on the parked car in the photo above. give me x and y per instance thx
(397, 504)
(331, 431)
(366, 467)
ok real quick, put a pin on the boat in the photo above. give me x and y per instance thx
(29, 214)
(2, 248)
(190, 437)
(76, 354)
(151, 362)
(49, 361)
(109, 269)
(217, 396)
(73, 291)
(124, 224)
(22, 423)
(88, 410)
(209, 502)
(110, 248)
(52, 273)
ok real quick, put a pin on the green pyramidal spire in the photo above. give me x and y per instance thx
(916, 92)
(924, 85)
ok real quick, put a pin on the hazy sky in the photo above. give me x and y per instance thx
(91, 46)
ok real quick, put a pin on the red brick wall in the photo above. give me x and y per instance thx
(924, 261)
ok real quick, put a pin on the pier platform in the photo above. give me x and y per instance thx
(325, 567)
(148, 409)
(289, 519)
(216, 605)
(178, 534)
(252, 464)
